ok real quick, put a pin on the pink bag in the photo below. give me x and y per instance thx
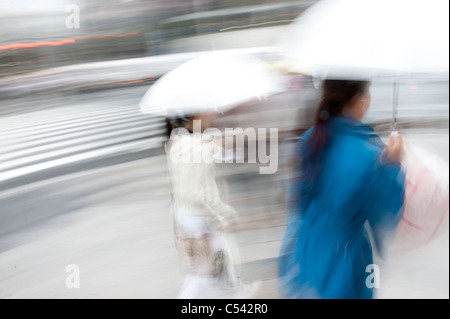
(426, 206)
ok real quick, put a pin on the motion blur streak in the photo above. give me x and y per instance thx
(255, 25)
(61, 42)
(111, 35)
(35, 45)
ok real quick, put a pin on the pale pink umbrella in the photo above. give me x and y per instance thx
(426, 209)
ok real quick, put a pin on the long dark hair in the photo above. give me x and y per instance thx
(336, 95)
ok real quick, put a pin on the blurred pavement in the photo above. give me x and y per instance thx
(117, 227)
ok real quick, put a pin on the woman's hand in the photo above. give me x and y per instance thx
(394, 150)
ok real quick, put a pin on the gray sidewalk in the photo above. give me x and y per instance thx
(119, 232)
(120, 236)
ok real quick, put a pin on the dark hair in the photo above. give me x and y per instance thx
(336, 95)
(172, 123)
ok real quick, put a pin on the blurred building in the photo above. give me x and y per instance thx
(36, 37)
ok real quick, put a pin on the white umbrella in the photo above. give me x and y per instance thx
(212, 82)
(368, 38)
(363, 39)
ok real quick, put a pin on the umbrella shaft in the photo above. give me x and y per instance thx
(395, 105)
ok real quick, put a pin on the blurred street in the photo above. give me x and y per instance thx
(84, 182)
(115, 224)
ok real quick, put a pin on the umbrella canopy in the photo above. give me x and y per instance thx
(362, 39)
(212, 82)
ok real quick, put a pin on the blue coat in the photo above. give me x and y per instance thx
(326, 249)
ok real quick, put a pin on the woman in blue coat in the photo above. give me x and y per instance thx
(348, 182)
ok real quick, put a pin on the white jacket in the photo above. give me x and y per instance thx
(191, 163)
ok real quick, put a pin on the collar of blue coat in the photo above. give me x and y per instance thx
(344, 123)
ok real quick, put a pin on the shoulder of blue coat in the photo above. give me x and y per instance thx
(354, 138)
(356, 153)
(361, 145)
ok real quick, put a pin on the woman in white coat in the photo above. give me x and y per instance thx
(201, 219)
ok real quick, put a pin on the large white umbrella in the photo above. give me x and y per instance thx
(360, 39)
(211, 82)
(364, 39)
